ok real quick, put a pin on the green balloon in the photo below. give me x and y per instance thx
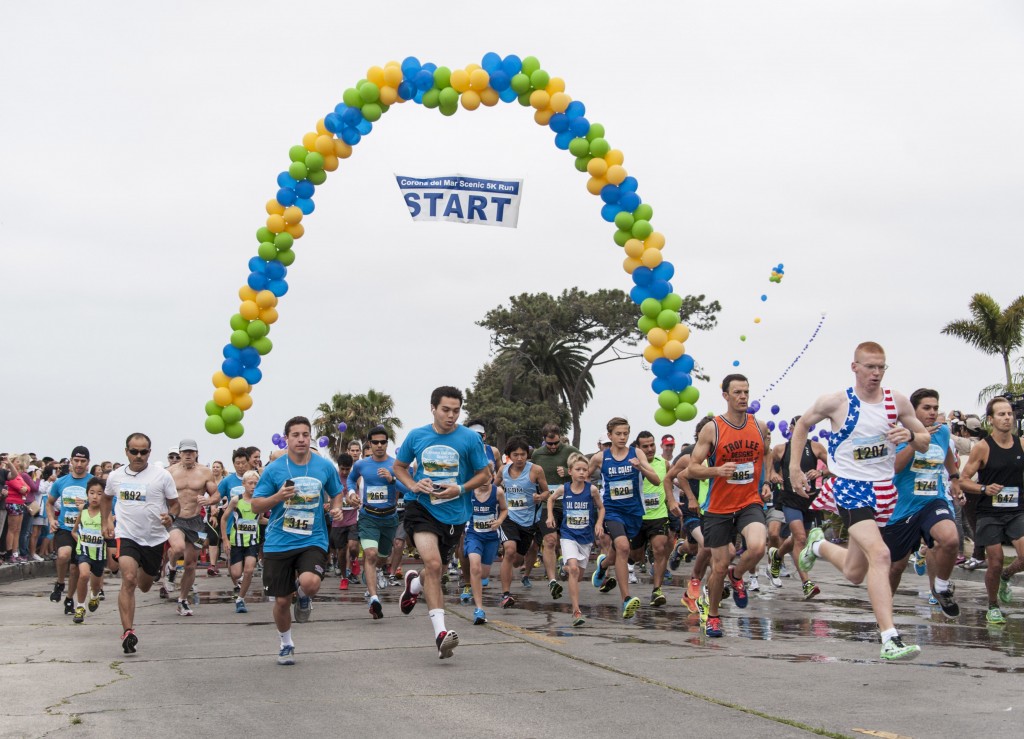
(298, 170)
(596, 132)
(651, 308)
(520, 83)
(624, 221)
(263, 345)
(256, 329)
(743, 337)
(666, 318)
(442, 78)
(667, 399)
(664, 417)
(314, 161)
(286, 257)
(239, 339)
(645, 324)
(231, 414)
(539, 79)
(432, 98)
(352, 98)
(369, 92)
(317, 178)
(212, 409)
(215, 424)
(449, 96)
(448, 109)
(672, 302)
(582, 162)
(644, 212)
(686, 411)
(283, 240)
(264, 234)
(297, 153)
(600, 147)
(372, 112)
(267, 251)
(642, 229)
(621, 237)
(238, 322)
(384, 108)
(690, 395)
(530, 65)
(234, 431)
(579, 147)
(524, 99)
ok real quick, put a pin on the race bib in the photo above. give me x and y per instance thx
(483, 523)
(247, 526)
(70, 517)
(515, 502)
(620, 489)
(376, 494)
(1006, 498)
(132, 492)
(743, 474)
(90, 538)
(577, 520)
(926, 485)
(652, 501)
(400, 504)
(298, 522)
(870, 448)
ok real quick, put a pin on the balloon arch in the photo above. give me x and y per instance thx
(495, 79)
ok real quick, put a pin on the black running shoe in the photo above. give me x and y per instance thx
(129, 642)
(947, 603)
(58, 590)
(608, 585)
(375, 610)
(69, 607)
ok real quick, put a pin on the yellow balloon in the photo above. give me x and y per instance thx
(222, 397)
(543, 117)
(249, 310)
(540, 99)
(470, 100)
(296, 230)
(595, 185)
(629, 264)
(341, 149)
(460, 80)
(655, 241)
(309, 140)
(555, 84)
(470, 68)
(479, 79)
(673, 350)
(275, 223)
(680, 332)
(651, 258)
(243, 401)
(388, 95)
(321, 128)
(559, 101)
(330, 162)
(757, 320)
(376, 76)
(489, 97)
(247, 293)
(274, 208)
(392, 75)
(616, 172)
(615, 156)
(652, 352)
(292, 214)
(268, 315)
(324, 144)
(597, 167)
(657, 336)
(238, 385)
(264, 299)
(634, 248)
(220, 379)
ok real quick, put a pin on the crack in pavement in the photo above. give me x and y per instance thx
(73, 718)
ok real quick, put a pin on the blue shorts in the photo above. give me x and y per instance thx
(486, 548)
(903, 536)
(96, 566)
(617, 523)
(798, 514)
(377, 532)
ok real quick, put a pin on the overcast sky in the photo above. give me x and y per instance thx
(874, 148)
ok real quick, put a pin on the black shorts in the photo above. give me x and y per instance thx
(542, 525)
(239, 553)
(720, 529)
(419, 521)
(281, 569)
(341, 535)
(63, 538)
(850, 516)
(675, 524)
(212, 536)
(112, 548)
(650, 528)
(999, 528)
(903, 536)
(96, 566)
(523, 536)
(148, 557)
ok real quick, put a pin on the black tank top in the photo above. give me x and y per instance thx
(808, 462)
(1004, 467)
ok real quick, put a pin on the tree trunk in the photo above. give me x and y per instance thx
(576, 398)
(1009, 375)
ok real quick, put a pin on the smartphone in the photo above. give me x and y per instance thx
(289, 482)
(437, 488)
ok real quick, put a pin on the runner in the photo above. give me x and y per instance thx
(196, 489)
(449, 460)
(998, 460)
(860, 454)
(553, 457)
(70, 491)
(394, 565)
(733, 445)
(242, 543)
(621, 467)
(481, 542)
(231, 486)
(90, 550)
(494, 462)
(294, 488)
(525, 488)
(583, 512)
(696, 492)
(657, 507)
(344, 535)
(924, 508)
(147, 502)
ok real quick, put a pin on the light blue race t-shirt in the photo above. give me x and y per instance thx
(69, 490)
(231, 487)
(298, 522)
(447, 459)
(377, 492)
(923, 480)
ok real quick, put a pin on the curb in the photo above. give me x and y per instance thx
(27, 571)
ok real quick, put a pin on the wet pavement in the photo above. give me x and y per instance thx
(785, 667)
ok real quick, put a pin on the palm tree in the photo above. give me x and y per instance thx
(360, 413)
(1016, 386)
(992, 329)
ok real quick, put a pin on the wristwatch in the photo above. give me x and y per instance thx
(984, 489)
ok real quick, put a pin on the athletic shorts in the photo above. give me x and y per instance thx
(111, 548)
(341, 535)
(799, 514)
(572, 549)
(148, 557)
(720, 529)
(850, 516)
(212, 536)
(281, 569)
(775, 515)
(419, 521)
(649, 528)
(239, 553)
(903, 536)
(377, 532)
(63, 538)
(15, 509)
(96, 566)
(523, 536)
(400, 531)
(486, 548)
(675, 524)
(995, 528)
(622, 524)
(191, 527)
(542, 524)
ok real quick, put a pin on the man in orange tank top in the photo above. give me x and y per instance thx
(736, 455)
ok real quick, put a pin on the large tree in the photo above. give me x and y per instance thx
(992, 329)
(360, 413)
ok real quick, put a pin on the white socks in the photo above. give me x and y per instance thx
(816, 548)
(416, 586)
(437, 620)
(889, 634)
(286, 638)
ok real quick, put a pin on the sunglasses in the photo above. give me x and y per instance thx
(551, 441)
(375, 441)
(137, 452)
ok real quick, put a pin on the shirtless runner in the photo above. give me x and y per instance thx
(196, 488)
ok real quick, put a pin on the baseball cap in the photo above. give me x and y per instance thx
(188, 445)
(973, 423)
(668, 439)
(604, 439)
(80, 451)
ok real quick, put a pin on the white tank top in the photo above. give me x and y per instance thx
(859, 449)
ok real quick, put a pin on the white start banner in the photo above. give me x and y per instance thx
(462, 198)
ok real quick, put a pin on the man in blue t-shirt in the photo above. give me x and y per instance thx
(450, 464)
(231, 486)
(70, 491)
(924, 508)
(295, 488)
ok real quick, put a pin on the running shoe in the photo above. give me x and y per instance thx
(355, 569)
(129, 641)
(287, 655)
(485, 582)
(58, 590)
(932, 600)
(676, 558)
(375, 609)
(526, 582)
(398, 574)
(507, 601)
(1004, 594)
(658, 598)
(94, 603)
(739, 590)
(713, 627)
(947, 602)
(995, 616)
(632, 578)
(467, 595)
(693, 588)
(895, 649)
(810, 590)
(608, 585)
(630, 606)
(35, 558)
(703, 608)
(774, 580)
(240, 606)
(445, 577)
(807, 555)
(920, 564)
(408, 600)
(960, 559)
(69, 606)
(479, 619)
(690, 603)
(366, 597)
(237, 590)
(597, 579)
(382, 580)
(774, 563)
(577, 618)
(164, 592)
(101, 595)
(343, 585)
(446, 643)
(212, 572)
(79, 615)
(302, 608)
(753, 585)
(974, 564)
(354, 579)
(784, 571)
(183, 608)
(556, 589)
(562, 574)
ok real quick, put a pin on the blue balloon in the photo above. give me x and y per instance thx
(276, 270)
(775, 410)
(252, 375)
(285, 180)
(659, 289)
(275, 439)
(576, 109)
(332, 122)
(419, 97)
(424, 80)
(685, 363)
(406, 90)
(364, 126)
(755, 406)
(430, 67)
(306, 205)
(559, 122)
(629, 184)
(410, 66)
(286, 196)
(660, 385)
(610, 193)
(764, 298)
(507, 96)
(824, 434)
(491, 62)
(639, 294)
(278, 287)
(679, 381)
(662, 367)
(352, 116)
(512, 65)
(629, 201)
(257, 265)
(770, 425)
(305, 189)
(340, 108)
(500, 81)
(249, 357)
(231, 351)
(609, 211)
(579, 126)
(257, 281)
(643, 276)
(351, 136)
(231, 367)
(562, 139)
(664, 271)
